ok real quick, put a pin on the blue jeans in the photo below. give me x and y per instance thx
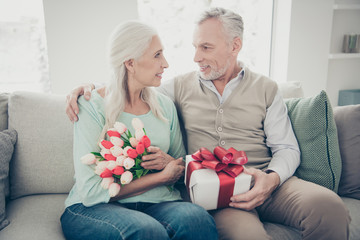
(167, 220)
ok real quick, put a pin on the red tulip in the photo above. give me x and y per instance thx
(132, 153)
(146, 141)
(106, 173)
(140, 148)
(118, 170)
(106, 144)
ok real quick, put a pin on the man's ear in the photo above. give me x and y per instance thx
(237, 45)
(129, 64)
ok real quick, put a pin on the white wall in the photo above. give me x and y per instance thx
(77, 33)
(304, 38)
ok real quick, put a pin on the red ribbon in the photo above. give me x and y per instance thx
(226, 163)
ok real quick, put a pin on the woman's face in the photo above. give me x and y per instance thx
(149, 67)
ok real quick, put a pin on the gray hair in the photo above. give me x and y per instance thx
(128, 40)
(233, 24)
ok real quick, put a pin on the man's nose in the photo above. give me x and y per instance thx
(197, 56)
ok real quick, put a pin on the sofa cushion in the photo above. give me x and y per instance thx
(7, 141)
(35, 217)
(42, 161)
(4, 111)
(314, 126)
(347, 120)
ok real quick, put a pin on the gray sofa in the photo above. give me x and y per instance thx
(41, 169)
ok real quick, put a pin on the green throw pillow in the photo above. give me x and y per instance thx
(314, 126)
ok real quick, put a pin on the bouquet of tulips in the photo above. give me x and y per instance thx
(119, 160)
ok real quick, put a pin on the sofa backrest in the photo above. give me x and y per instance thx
(3, 111)
(42, 161)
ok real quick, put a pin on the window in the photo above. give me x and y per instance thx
(23, 61)
(175, 22)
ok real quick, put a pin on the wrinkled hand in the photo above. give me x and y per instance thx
(156, 159)
(264, 185)
(72, 108)
(173, 171)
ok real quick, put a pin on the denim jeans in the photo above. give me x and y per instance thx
(167, 220)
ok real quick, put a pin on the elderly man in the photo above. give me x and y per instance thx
(226, 104)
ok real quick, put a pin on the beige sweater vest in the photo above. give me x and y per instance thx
(237, 123)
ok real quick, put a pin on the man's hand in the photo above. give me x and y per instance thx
(156, 159)
(72, 108)
(264, 185)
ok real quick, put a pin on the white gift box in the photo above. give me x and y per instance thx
(204, 186)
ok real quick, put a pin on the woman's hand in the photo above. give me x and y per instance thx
(156, 159)
(173, 171)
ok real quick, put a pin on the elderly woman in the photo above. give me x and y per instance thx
(144, 208)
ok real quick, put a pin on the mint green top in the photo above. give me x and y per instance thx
(167, 136)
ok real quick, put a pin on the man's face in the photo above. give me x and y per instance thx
(212, 51)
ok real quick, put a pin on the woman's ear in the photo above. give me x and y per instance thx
(129, 64)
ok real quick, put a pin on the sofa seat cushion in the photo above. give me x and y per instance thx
(35, 217)
(354, 208)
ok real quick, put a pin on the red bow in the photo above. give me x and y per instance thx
(229, 161)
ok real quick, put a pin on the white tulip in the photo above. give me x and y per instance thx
(120, 160)
(129, 163)
(117, 141)
(104, 151)
(111, 165)
(116, 151)
(100, 167)
(114, 189)
(126, 177)
(139, 133)
(88, 159)
(120, 127)
(137, 124)
(105, 183)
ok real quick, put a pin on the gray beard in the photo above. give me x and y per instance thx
(213, 75)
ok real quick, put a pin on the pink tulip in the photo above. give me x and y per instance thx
(117, 141)
(114, 189)
(120, 127)
(137, 124)
(129, 163)
(105, 183)
(133, 142)
(126, 177)
(88, 159)
(139, 133)
(116, 151)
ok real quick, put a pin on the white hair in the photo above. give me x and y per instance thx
(128, 40)
(233, 24)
